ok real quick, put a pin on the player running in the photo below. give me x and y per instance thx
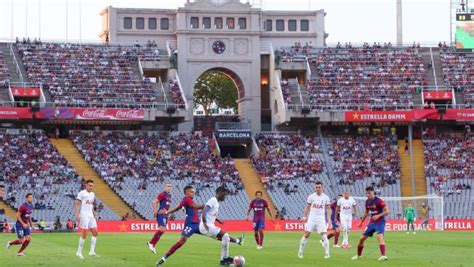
(377, 210)
(161, 204)
(207, 226)
(86, 218)
(23, 225)
(410, 218)
(346, 208)
(258, 205)
(192, 223)
(336, 224)
(316, 208)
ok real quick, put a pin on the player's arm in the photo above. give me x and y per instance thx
(269, 212)
(77, 205)
(366, 212)
(306, 212)
(18, 217)
(354, 211)
(247, 215)
(155, 207)
(385, 212)
(336, 215)
(196, 206)
(220, 221)
(173, 210)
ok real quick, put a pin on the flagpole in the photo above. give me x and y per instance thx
(67, 37)
(80, 21)
(39, 18)
(11, 21)
(26, 19)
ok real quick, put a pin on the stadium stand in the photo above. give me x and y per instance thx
(4, 72)
(30, 164)
(90, 75)
(361, 78)
(449, 158)
(136, 165)
(458, 72)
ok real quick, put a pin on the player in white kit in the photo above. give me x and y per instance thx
(207, 226)
(315, 219)
(346, 208)
(86, 218)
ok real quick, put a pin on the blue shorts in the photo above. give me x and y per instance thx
(373, 227)
(259, 225)
(162, 220)
(190, 229)
(20, 231)
(334, 225)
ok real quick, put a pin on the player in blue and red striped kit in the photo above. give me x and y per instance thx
(23, 225)
(161, 204)
(258, 205)
(377, 210)
(191, 223)
(335, 221)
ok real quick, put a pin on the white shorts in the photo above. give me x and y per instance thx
(316, 226)
(346, 222)
(212, 232)
(87, 222)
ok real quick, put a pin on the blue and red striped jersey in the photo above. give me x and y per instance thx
(165, 200)
(192, 215)
(374, 207)
(25, 212)
(258, 207)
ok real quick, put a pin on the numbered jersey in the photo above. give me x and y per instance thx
(346, 206)
(87, 203)
(318, 204)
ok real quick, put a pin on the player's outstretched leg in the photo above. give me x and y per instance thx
(172, 250)
(360, 247)
(156, 237)
(14, 243)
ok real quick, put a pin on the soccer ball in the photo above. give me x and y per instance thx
(239, 261)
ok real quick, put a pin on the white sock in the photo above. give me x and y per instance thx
(326, 244)
(93, 242)
(81, 245)
(345, 239)
(225, 246)
(303, 243)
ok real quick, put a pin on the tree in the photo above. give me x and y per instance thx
(214, 87)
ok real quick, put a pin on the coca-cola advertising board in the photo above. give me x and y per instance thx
(92, 114)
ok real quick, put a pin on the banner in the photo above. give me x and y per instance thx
(379, 116)
(92, 114)
(26, 92)
(279, 226)
(234, 136)
(437, 95)
(459, 114)
(15, 113)
(423, 114)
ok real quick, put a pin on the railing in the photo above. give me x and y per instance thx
(255, 149)
(182, 92)
(171, 46)
(280, 91)
(10, 94)
(42, 96)
(140, 68)
(120, 105)
(12, 53)
(308, 71)
(160, 83)
(299, 92)
(217, 145)
(434, 69)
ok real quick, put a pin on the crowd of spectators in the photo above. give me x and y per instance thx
(176, 93)
(458, 71)
(448, 156)
(84, 75)
(287, 157)
(365, 78)
(155, 158)
(357, 157)
(285, 88)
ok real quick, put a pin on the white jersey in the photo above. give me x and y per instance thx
(318, 207)
(87, 203)
(345, 206)
(211, 215)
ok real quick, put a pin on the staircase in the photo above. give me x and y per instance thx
(9, 212)
(15, 76)
(252, 183)
(419, 171)
(101, 189)
(295, 93)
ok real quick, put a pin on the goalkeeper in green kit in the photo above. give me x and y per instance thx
(410, 218)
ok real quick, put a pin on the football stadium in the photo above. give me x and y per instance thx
(236, 133)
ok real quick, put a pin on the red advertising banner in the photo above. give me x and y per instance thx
(459, 114)
(423, 114)
(379, 116)
(15, 113)
(92, 114)
(438, 95)
(278, 226)
(26, 92)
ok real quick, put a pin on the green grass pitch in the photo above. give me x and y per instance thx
(422, 249)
